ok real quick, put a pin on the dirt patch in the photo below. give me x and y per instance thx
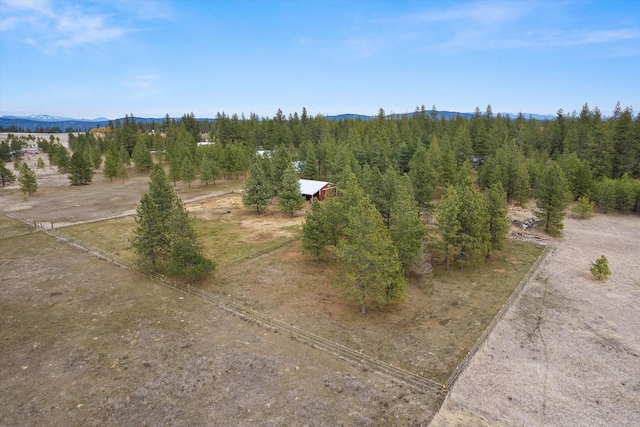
(568, 352)
(87, 343)
(58, 202)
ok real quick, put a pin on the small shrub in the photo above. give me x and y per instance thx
(600, 268)
(583, 208)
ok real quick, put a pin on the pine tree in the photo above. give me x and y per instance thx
(125, 158)
(111, 163)
(40, 163)
(141, 156)
(600, 268)
(335, 219)
(310, 170)
(122, 171)
(150, 240)
(61, 159)
(369, 271)
(448, 222)
(165, 232)
(422, 264)
(473, 237)
(187, 171)
(27, 180)
(406, 229)
(257, 191)
(551, 198)
(209, 170)
(289, 197)
(314, 231)
(186, 257)
(280, 161)
(6, 176)
(497, 208)
(96, 156)
(80, 171)
(423, 176)
(583, 208)
(175, 169)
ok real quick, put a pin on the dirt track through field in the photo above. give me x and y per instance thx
(568, 352)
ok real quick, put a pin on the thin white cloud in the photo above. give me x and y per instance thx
(480, 13)
(146, 10)
(488, 26)
(51, 25)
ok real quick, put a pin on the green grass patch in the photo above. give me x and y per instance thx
(224, 240)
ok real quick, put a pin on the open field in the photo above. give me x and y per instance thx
(568, 352)
(87, 343)
(261, 266)
(80, 323)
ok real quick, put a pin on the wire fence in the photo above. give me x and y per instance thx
(356, 357)
(505, 307)
(234, 307)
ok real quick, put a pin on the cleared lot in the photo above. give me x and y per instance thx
(568, 353)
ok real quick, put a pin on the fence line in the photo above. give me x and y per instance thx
(505, 307)
(357, 357)
(231, 306)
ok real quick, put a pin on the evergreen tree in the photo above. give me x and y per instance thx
(422, 264)
(150, 240)
(6, 176)
(369, 271)
(496, 202)
(448, 222)
(289, 197)
(551, 198)
(257, 191)
(209, 170)
(423, 177)
(187, 171)
(186, 258)
(125, 158)
(122, 171)
(111, 164)
(600, 268)
(80, 170)
(310, 170)
(141, 156)
(280, 161)
(473, 237)
(175, 169)
(96, 156)
(315, 231)
(61, 159)
(406, 229)
(27, 180)
(335, 219)
(165, 232)
(583, 208)
(40, 163)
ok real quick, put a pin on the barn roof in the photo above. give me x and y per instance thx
(311, 187)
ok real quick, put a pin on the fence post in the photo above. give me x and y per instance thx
(188, 288)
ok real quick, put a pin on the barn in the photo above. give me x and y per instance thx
(319, 189)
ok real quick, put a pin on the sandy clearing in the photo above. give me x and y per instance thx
(568, 352)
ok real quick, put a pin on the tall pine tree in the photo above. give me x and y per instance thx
(551, 198)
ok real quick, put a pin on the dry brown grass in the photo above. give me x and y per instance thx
(261, 265)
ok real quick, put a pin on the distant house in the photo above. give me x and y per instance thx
(318, 189)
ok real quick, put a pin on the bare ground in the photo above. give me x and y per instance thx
(87, 343)
(568, 352)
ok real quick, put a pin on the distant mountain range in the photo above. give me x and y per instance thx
(46, 123)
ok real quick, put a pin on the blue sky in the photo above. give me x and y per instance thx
(151, 58)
